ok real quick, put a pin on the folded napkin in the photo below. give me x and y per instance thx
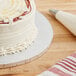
(66, 67)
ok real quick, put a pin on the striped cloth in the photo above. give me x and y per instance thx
(66, 67)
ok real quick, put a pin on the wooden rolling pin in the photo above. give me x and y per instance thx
(67, 19)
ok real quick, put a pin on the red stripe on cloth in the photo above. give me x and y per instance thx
(59, 72)
(65, 68)
(74, 55)
(69, 62)
(68, 66)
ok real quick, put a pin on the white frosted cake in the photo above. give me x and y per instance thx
(17, 25)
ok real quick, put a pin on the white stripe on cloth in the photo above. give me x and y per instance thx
(72, 58)
(69, 64)
(64, 70)
(67, 67)
(70, 61)
(48, 73)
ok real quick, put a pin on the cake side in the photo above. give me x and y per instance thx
(19, 35)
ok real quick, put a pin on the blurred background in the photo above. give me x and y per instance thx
(64, 43)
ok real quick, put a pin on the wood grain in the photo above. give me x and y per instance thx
(64, 43)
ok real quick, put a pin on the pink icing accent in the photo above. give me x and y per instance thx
(23, 14)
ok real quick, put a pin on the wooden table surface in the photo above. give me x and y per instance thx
(64, 43)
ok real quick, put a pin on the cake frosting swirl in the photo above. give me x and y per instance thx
(13, 10)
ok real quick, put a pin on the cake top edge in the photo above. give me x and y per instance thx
(13, 10)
